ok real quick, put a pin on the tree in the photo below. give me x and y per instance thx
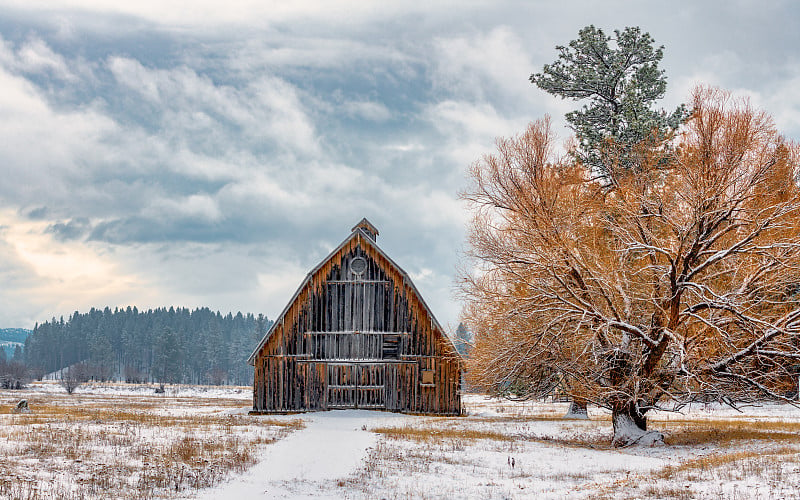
(261, 327)
(13, 375)
(122, 342)
(72, 377)
(621, 83)
(101, 355)
(18, 355)
(679, 283)
(463, 340)
(167, 357)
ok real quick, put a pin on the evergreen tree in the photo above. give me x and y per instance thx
(463, 339)
(101, 356)
(167, 358)
(133, 342)
(17, 357)
(261, 327)
(621, 82)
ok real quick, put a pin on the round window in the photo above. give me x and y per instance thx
(358, 265)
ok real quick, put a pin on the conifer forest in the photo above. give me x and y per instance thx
(171, 345)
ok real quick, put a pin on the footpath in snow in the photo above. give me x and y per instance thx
(331, 447)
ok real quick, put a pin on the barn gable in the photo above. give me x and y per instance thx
(357, 333)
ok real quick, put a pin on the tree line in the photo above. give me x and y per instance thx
(12, 371)
(174, 345)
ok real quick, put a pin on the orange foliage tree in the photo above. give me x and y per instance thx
(680, 281)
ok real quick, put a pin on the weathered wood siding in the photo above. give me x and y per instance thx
(361, 340)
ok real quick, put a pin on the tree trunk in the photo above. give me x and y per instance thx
(577, 410)
(630, 427)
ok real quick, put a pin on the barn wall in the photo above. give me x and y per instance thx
(313, 353)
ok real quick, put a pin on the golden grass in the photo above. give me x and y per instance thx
(718, 460)
(140, 414)
(726, 432)
(685, 432)
(523, 418)
(428, 434)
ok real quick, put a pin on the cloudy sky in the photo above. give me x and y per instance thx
(209, 153)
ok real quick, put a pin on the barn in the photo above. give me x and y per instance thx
(357, 334)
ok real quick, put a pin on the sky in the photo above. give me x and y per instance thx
(208, 153)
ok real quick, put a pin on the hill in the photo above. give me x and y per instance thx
(10, 338)
(17, 335)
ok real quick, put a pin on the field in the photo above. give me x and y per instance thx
(120, 441)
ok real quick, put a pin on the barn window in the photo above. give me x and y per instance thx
(427, 377)
(358, 265)
(390, 346)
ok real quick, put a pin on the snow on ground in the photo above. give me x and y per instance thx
(114, 441)
(123, 389)
(506, 450)
(332, 446)
(125, 441)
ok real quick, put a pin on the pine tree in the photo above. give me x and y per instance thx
(463, 339)
(17, 357)
(621, 82)
(167, 357)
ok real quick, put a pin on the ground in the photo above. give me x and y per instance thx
(123, 441)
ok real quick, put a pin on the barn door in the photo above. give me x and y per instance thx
(371, 389)
(352, 385)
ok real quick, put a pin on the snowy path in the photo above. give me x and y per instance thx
(331, 447)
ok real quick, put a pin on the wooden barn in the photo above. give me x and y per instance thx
(357, 334)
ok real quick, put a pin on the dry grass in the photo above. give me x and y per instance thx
(734, 452)
(123, 446)
(766, 453)
(429, 434)
(732, 474)
(726, 432)
(751, 462)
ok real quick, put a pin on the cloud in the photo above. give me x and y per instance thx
(485, 65)
(72, 229)
(163, 153)
(44, 274)
(37, 138)
(470, 129)
(209, 13)
(34, 56)
(188, 104)
(367, 110)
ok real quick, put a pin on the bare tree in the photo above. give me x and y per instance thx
(681, 281)
(72, 377)
(13, 375)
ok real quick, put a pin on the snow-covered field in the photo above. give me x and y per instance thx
(120, 441)
(126, 441)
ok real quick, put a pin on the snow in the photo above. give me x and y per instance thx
(501, 449)
(170, 390)
(334, 457)
(332, 446)
(626, 433)
(118, 441)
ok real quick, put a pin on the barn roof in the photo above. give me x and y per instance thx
(366, 225)
(366, 232)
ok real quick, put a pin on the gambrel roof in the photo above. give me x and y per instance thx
(365, 233)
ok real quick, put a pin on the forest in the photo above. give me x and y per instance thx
(174, 345)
